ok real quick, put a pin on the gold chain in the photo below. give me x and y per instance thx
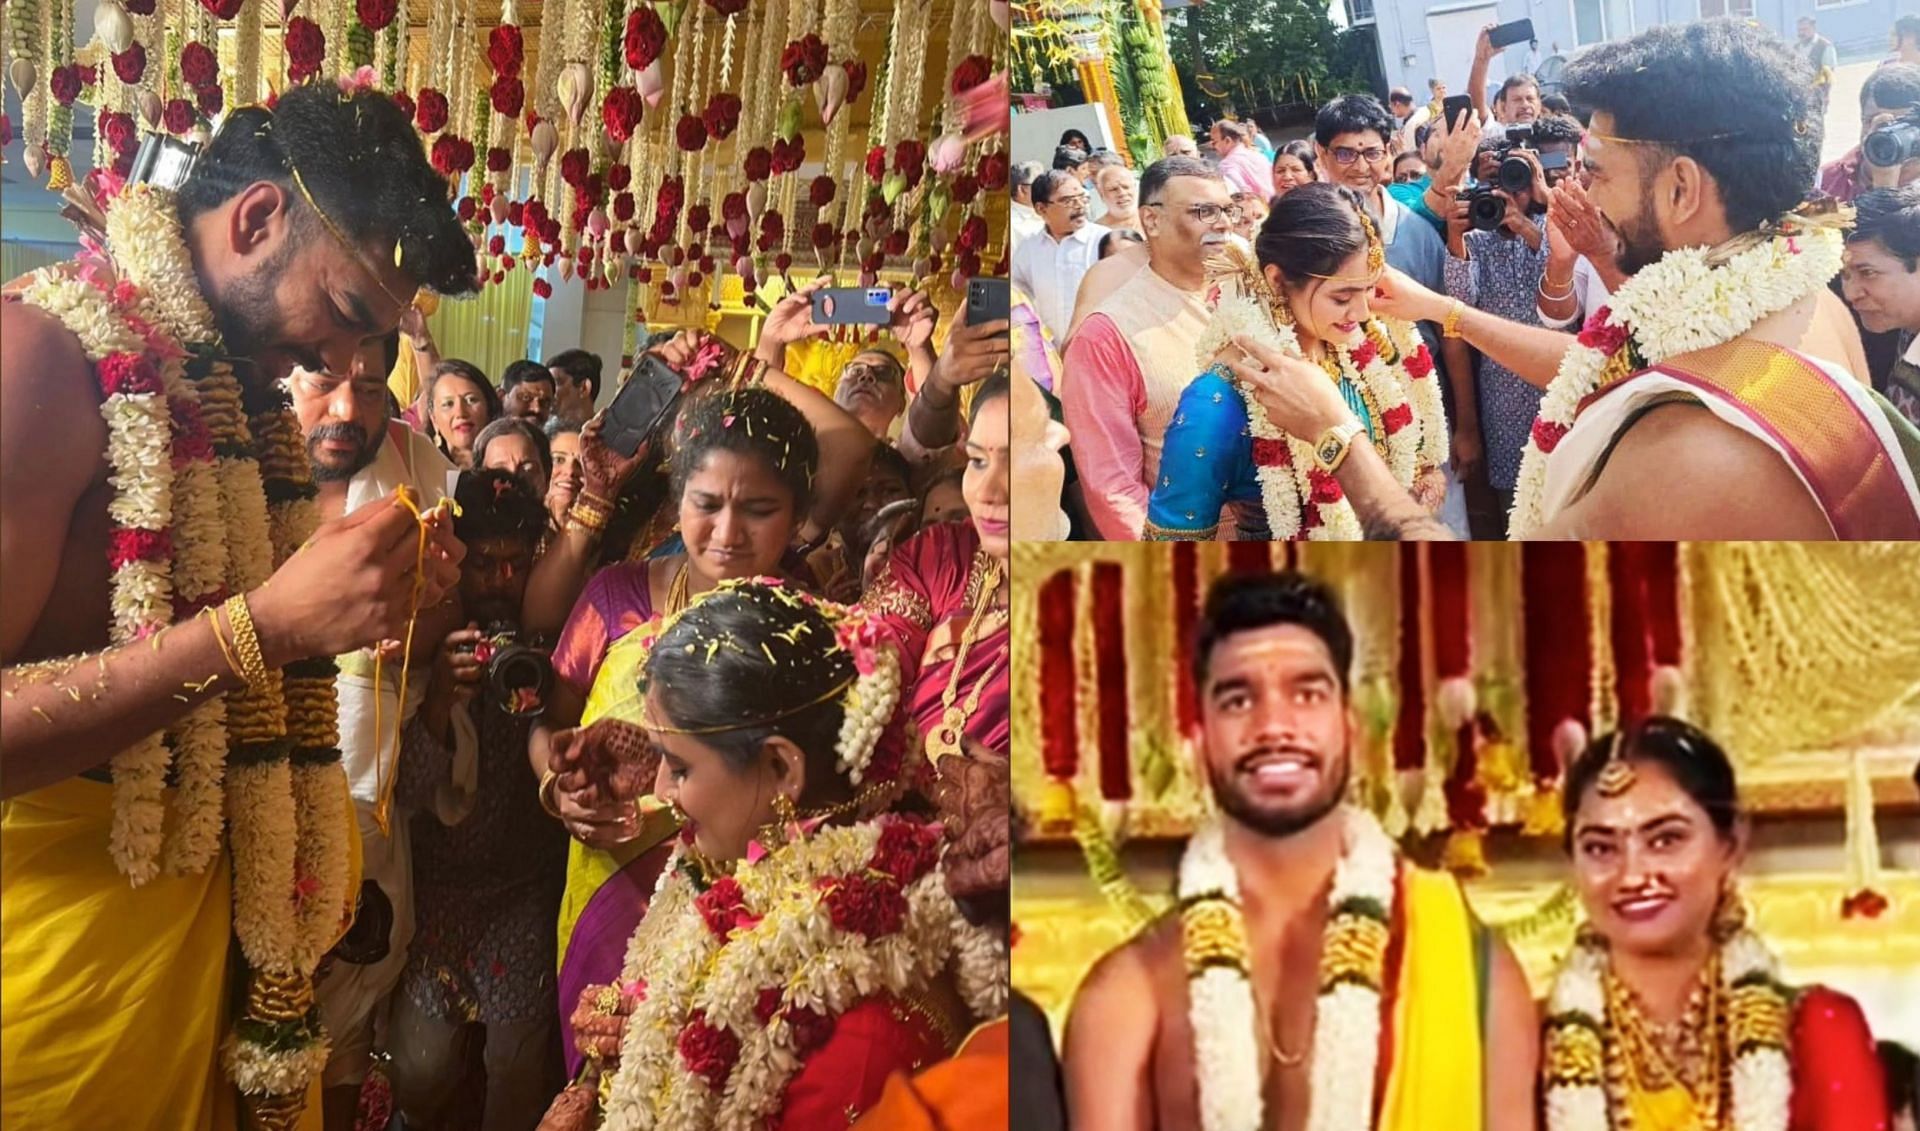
(984, 578)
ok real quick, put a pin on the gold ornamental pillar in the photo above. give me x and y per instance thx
(1096, 79)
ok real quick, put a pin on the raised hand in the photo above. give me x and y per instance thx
(791, 320)
(1580, 222)
(610, 761)
(603, 471)
(1398, 296)
(914, 316)
(972, 793)
(973, 353)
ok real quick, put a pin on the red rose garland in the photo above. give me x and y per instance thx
(758, 164)
(375, 15)
(722, 115)
(708, 1051)
(64, 84)
(452, 156)
(222, 9)
(131, 64)
(646, 37)
(306, 48)
(972, 71)
(210, 99)
(856, 79)
(178, 116)
(430, 111)
(620, 112)
(689, 133)
(509, 96)
(506, 51)
(804, 59)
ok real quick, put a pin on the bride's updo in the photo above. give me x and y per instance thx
(1311, 232)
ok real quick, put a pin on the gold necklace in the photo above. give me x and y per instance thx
(984, 581)
(677, 596)
(1649, 1068)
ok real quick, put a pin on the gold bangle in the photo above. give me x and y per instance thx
(547, 802)
(587, 515)
(220, 638)
(594, 500)
(1451, 327)
(246, 641)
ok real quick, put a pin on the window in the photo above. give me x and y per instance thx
(1596, 21)
(1712, 8)
(1359, 12)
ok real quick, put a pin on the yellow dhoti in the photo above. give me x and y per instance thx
(1438, 1011)
(113, 998)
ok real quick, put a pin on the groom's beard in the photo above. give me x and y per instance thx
(1640, 242)
(247, 313)
(1279, 823)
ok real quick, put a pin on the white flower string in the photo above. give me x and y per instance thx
(1224, 1015)
(1683, 303)
(1580, 1059)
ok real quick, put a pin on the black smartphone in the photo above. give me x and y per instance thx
(1506, 35)
(1453, 106)
(852, 306)
(988, 300)
(641, 406)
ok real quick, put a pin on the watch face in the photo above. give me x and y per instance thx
(1329, 448)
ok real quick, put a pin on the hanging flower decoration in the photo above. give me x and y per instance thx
(789, 154)
(375, 15)
(452, 156)
(499, 159)
(543, 288)
(574, 166)
(506, 50)
(910, 161)
(620, 112)
(619, 177)
(804, 60)
(993, 171)
(6, 130)
(722, 115)
(972, 71)
(430, 111)
(876, 163)
(221, 9)
(856, 79)
(64, 84)
(646, 38)
(690, 134)
(509, 96)
(821, 191)
(210, 100)
(122, 137)
(178, 116)
(758, 164)
(306, 49)
(727, 8)
(130, 64)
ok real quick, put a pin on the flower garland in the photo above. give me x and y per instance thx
(743, 981)
(1692, 299)
(189, 447)
(1347, 1024)
(1580, 1057)
(1409, 421)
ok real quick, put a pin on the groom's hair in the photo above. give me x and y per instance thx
(1726, 92)
(1249, 601)
(1891, 217)
(364, 164)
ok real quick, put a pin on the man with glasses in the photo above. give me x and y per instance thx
(873, 388)
(1129, 360)
(1351, 135)
(1240, 163)
(1049, 265)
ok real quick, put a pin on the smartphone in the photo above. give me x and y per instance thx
(988, 300)
(641, 406)
(1453, 106)
(1506, 35)
(852, 306)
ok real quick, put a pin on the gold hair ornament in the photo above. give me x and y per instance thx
(1617, 776)
(1376, 255)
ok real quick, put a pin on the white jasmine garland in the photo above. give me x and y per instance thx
(320, 801)
(1679, 305)
(793, 947)
(868, 708)
(1225, 1019)
(200, 754)
(1762, 1076)
(259, 1071)
(264, 840)
(149, 243)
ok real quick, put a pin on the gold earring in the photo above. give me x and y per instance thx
(1730, 914)
(785, 827)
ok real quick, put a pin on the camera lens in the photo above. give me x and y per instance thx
(1485, 211)
(1515, 175)
(1892, 144)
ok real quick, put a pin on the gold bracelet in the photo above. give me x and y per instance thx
(594, 500)
(587, 515)
(220, 638)
(547, 802)
(1451, 327)
(1550, 296)
(246, 641)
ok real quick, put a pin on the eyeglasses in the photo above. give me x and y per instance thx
(1076, 198)
(1209, 213)
(1407, 177)
(1347, 155)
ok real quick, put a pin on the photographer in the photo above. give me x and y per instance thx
(1881, 281)
(1497, 257)
(488, 864)
(1890, 107)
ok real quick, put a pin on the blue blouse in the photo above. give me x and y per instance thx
(1206, 464)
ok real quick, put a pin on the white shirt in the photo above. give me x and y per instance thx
(1049, 271)
(1022, 221)
(1096, 205)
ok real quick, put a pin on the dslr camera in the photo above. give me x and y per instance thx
(519, 677)
(1893, 143)
(1487, 211)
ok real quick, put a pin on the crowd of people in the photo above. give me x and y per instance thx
(679, 773)
(1520, 323)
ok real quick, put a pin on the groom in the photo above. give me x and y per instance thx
(1702, 133)
(1261, 1011)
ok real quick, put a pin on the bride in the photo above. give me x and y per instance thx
(1305, 294)
(1670, 1014)
(802, 945)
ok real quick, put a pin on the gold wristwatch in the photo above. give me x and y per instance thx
(1331, 450)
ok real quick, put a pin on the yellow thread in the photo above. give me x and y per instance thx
(384, 782)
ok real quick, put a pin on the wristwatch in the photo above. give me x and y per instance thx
(1332, 448)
